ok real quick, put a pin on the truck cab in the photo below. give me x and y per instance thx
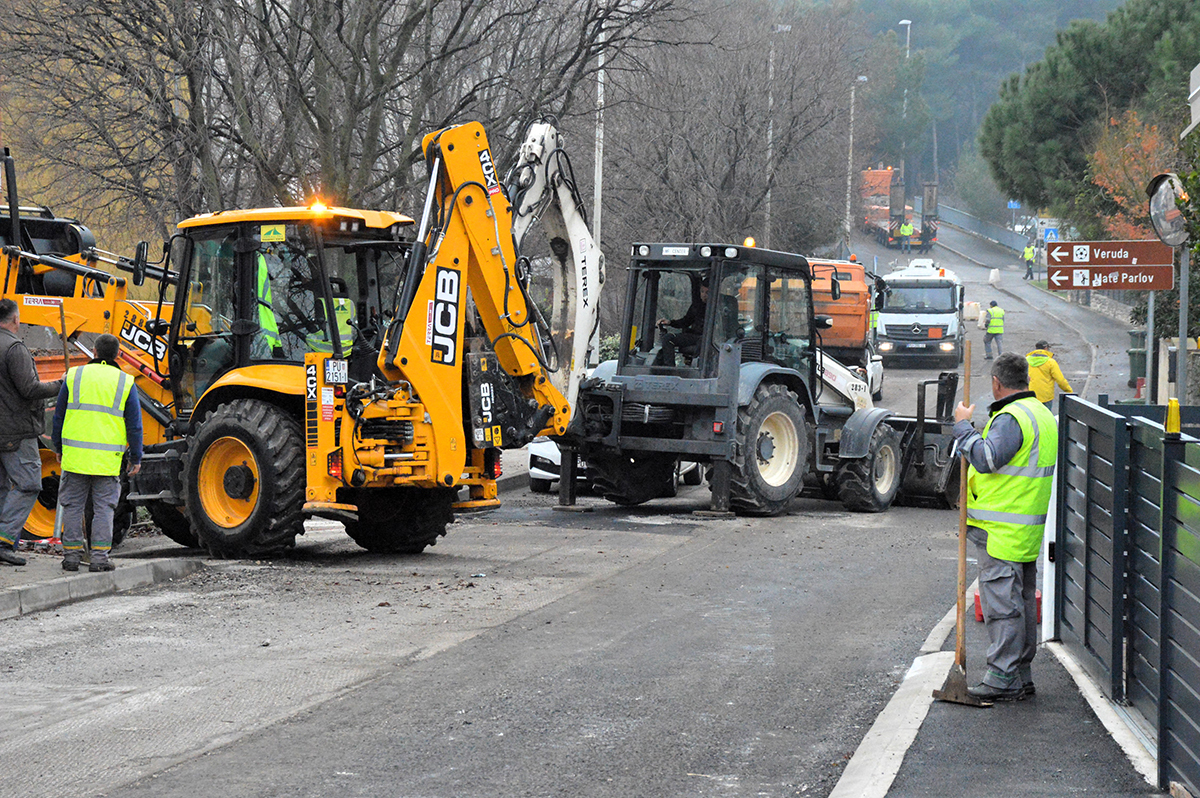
(921, 314)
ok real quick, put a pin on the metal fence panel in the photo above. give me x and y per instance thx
(1179, 704)
(1144, 569)
(1092, 490)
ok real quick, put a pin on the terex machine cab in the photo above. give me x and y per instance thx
(754, 397)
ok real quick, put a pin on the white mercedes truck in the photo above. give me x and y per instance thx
(921, 314)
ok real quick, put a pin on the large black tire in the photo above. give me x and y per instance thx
(773, 444)
(633, 479)
(869, 484)
(401, 520)
(172, 522)
(694, 477)
(244, 480)
(539, 485)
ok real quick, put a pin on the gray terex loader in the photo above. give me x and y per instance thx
(752, 395)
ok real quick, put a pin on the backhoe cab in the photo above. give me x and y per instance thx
(748, 392)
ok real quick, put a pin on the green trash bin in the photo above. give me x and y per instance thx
(1137, 339)
(1137, 365)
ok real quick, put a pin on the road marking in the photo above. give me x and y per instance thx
(877, 760)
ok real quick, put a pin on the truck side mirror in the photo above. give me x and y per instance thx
(823, 322)
(139, 262)
(835, 289)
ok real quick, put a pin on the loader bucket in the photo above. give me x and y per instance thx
(930, 469)
(934, 482)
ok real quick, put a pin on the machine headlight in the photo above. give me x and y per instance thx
(644, 251)
(886, 346)
(731, 252)
(706, 252)
(947, 347)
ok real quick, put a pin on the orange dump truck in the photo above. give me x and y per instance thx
(849, 339)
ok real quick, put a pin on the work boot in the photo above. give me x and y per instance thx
(988, 693)
(100, 564)
(70, 562)
(1028, 689)
(10, 557)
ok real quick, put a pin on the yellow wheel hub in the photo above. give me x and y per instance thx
(40, 523)
(229, 481)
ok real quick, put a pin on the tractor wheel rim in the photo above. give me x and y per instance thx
(219, 458)
(40, 523)
(777, 469)
(885, 469)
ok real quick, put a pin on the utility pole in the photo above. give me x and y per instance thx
(907, 23)
(850, 164)
(771, 130)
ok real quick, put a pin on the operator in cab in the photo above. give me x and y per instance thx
(691, 330)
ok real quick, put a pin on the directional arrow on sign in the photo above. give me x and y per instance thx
(1058, 278)
(1109, 253)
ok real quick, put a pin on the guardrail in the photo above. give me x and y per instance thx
(993, 232)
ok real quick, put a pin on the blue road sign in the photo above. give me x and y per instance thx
(1014, 204)
(1051, 234)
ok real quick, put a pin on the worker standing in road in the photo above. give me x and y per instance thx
(994, 331)
(97, 416)
(21, 395)
(1011, 468)
(906, 231)
(1044, 374)
(1029, 256)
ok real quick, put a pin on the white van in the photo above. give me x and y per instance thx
(921, 314)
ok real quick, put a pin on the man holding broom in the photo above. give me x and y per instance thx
(1011, 468)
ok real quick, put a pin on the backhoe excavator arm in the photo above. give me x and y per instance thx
(465, 245)
(542, 187)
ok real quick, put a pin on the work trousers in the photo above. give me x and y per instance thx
(73, 496)
(687, 342)
(1028, 270)
(987, 344)
(1008, 598)
(20, 484)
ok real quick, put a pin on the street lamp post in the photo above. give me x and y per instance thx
(771, 131)
(850, 162)
(907, 23)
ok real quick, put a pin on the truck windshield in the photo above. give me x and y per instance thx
(918, 298)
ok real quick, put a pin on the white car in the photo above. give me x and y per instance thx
(545, 463)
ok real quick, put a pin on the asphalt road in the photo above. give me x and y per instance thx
(1089, 348)
(532, 652)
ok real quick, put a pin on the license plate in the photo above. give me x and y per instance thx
(337, 372)
(915, 346)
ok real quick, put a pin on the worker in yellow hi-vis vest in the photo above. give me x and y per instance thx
(97, 417)
(1011, 469)
(994, 331)
(1030, 254)
(906, 231)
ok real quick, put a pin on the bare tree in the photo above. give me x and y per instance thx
(167, 108)
(688, 156)
(691, 139)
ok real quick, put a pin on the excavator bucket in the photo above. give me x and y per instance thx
(929, 476)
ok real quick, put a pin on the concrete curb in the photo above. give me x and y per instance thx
(16, 601)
